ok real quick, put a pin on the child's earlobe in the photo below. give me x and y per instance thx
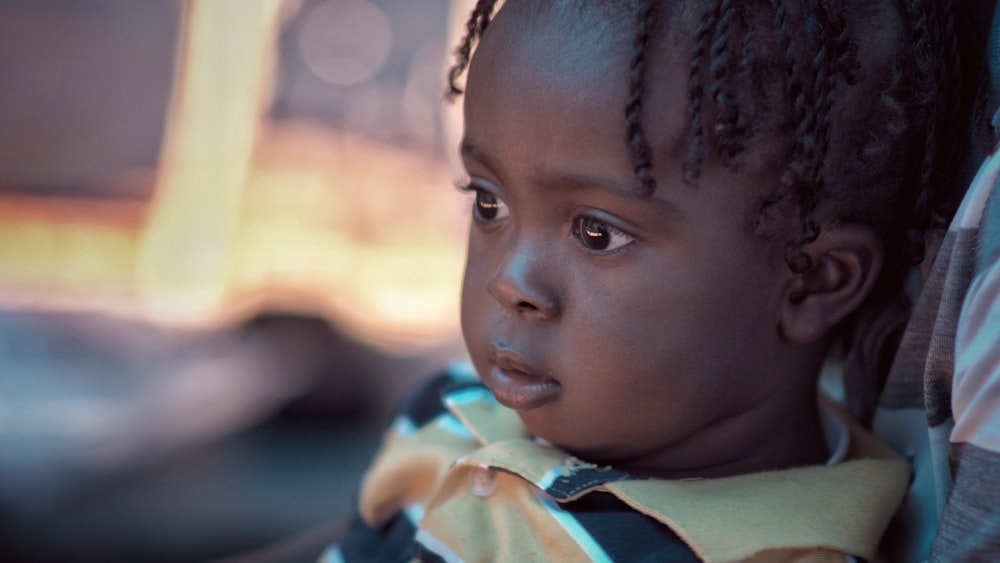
(847, 260)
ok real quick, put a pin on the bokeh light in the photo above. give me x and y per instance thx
(214, 216)
(345, 41)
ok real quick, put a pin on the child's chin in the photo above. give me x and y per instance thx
(575, 445)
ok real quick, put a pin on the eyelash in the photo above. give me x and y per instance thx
(497, 206)
(594, 227)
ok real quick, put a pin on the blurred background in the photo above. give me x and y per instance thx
(229, 246)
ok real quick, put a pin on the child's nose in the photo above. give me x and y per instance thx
(523, 285)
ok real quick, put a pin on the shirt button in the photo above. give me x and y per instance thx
(483, 481)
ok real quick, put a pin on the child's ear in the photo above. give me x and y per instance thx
(846, 262)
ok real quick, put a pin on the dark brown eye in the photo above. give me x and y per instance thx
(488, 208)
(597, 236)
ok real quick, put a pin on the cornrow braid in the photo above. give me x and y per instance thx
(478, 21)
(696, 133)
(794, 85)
(634, 136)
(746, 48)
(796, 177)
(727, 123)
(825, 84)
(846, 62)
(744, 129)
(817, 139)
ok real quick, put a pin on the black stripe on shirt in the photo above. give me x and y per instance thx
(424, 555)
(426, 403)
(627, 535)
(390, 543)
(583, 478)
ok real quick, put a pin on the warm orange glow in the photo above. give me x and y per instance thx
(183, 268)
(249, 214)
(371, 234)
(54, 255)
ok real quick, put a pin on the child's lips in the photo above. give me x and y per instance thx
(516, 384)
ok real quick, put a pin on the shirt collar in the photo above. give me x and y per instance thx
(844, 505)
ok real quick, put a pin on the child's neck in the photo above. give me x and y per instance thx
(761, 439)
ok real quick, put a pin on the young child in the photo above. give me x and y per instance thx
(677, 208)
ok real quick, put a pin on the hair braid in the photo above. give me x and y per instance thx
(846, 52)
(743, 73)
(814, 123)
(727, 121)
(771, 201)
(797, 176)
(696, 133)
(826, 90)
(917, 13)
(477, 23)
(814, 130)
(794, 86)
(635, 137)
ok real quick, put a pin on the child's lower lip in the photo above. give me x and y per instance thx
(521, 391)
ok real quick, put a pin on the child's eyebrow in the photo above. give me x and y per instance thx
(573, 180)
(471, 150)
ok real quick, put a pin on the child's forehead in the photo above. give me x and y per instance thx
(581, 52)
(530, 62)
(536, 67)
(585, 42)
(601, 22)
(565, 41)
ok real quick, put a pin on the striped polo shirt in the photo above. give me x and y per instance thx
(458, 478)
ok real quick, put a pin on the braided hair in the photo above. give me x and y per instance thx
(478, 21)
(866, 99)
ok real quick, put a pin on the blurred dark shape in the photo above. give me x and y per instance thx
(84, 90)
(124, 440)
(343, 370)
(313, 404)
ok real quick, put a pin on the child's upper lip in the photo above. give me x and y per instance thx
(517, 383)
(507, 359)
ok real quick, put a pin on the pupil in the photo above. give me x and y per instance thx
(595, 234)
(488, 205)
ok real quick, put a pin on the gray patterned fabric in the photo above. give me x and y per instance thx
(941, 403)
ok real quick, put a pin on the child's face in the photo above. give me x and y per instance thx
(628, 330)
